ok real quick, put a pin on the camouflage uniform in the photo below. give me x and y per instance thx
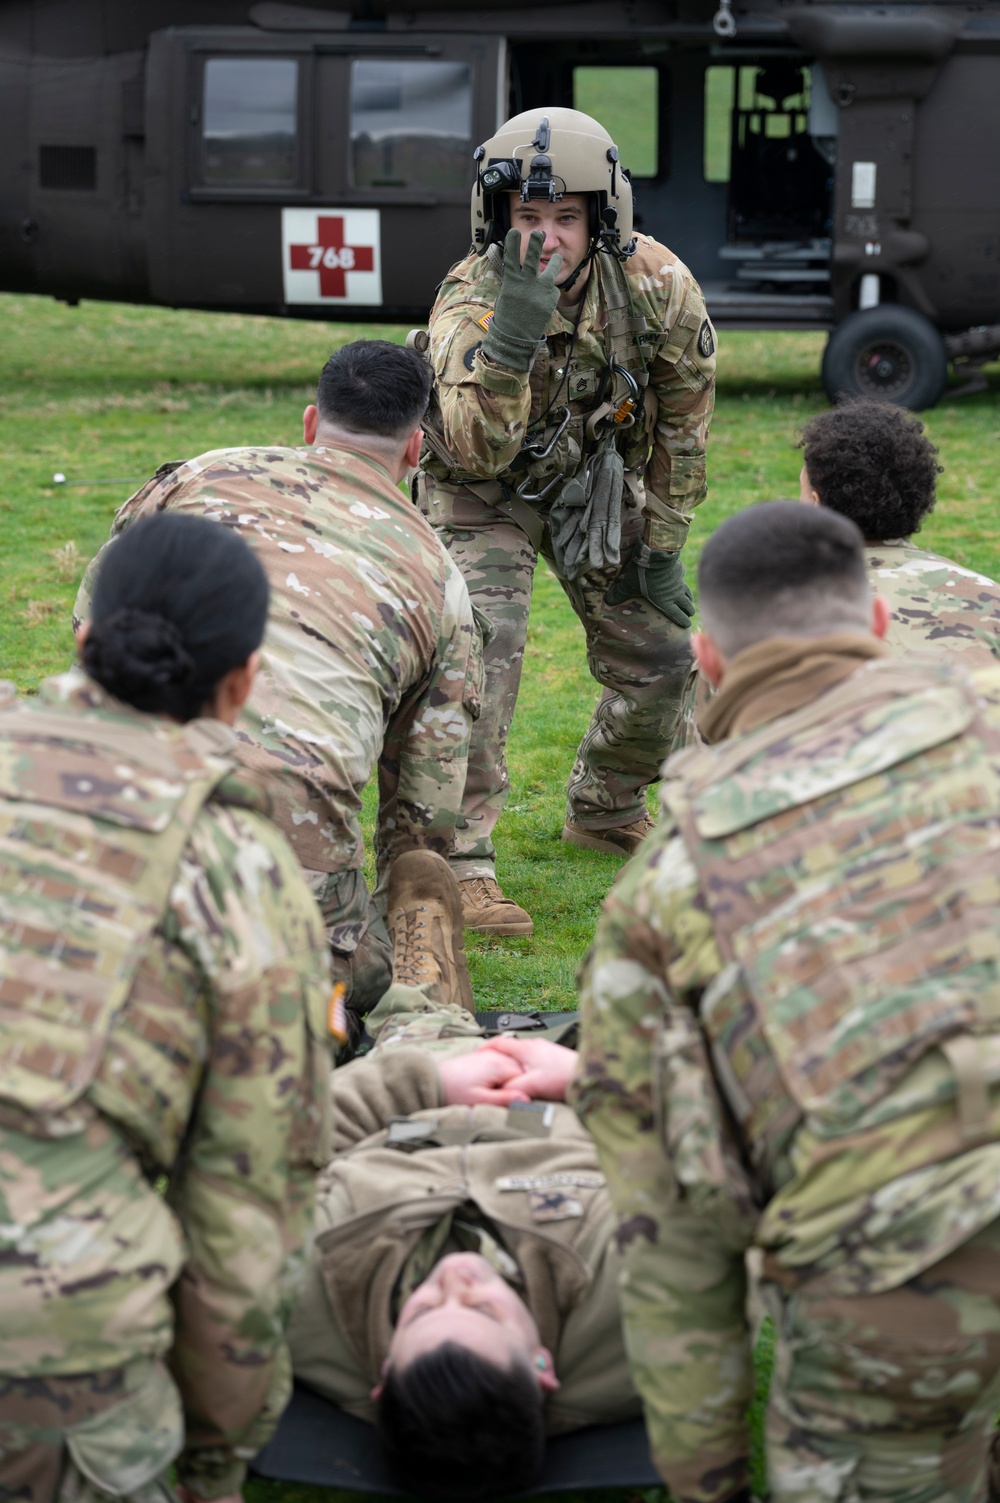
(522, 1190)
(791, 1031)
(936, 603)
(474, 461)
(163, 995)
(371, 660)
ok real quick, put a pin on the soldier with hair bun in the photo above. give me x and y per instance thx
(163, 1062)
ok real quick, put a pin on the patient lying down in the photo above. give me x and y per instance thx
(462, 1292)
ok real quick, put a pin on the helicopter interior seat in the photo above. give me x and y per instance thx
(780, 185)
(318, 1443)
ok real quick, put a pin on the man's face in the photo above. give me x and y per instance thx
(565, 225)
(465, 1302)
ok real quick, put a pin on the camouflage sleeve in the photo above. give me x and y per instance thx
(645, 1091)
(145, 501)
(428, 741)
(682, 384)
(243, 1188)
(484, 406)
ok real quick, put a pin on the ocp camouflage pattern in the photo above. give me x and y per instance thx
(371, 656)
(639, 657)
(775, 1014)
(487, 410)
(936, 603)
(211, 1069)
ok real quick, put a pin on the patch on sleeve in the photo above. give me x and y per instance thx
(469, 358)
(486, 319)
(706, 340)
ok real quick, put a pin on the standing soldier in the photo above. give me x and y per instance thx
(575, 376)
(371, 659)
(791, 1043)
(163, 1068)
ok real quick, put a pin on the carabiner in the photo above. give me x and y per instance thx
(535, 453)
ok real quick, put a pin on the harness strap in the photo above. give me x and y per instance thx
(502, 498)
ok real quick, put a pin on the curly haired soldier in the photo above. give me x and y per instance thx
(575, 375)
(875, 464)
(791, 1044)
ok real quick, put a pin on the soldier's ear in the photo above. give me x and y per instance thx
(545, 1371)
(881, 616)
(310, 423)
(411, 454)
(708, 657)
(806, 492)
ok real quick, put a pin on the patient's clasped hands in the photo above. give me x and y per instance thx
(503, 1070)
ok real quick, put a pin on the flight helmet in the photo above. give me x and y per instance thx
(543, 154)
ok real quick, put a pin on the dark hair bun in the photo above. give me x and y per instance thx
(137, 654)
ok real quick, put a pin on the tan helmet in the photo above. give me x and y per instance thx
(543, 154)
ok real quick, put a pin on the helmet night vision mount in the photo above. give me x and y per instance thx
(542, 156)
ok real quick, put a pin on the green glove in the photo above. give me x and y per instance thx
(524, 303)
(657, 577)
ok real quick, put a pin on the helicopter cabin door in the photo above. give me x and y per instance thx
(317, 174)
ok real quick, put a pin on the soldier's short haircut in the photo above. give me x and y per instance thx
(374, 387)
(783, 569)
(179, 601)
(455, 1426)
(873, 463)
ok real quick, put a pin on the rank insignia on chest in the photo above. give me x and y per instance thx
(486, 319)
(554, 1205)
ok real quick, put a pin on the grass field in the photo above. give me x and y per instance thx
(100, 392)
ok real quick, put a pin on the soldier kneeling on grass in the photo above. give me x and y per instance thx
(371, 663)
(791, 1043)
(163, 991)
(874, 463)
(463, 1289)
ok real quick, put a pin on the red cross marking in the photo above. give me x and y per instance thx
(331, 257)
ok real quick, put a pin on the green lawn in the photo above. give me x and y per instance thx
(105, 391)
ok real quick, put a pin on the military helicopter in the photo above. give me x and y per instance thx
(819, 165)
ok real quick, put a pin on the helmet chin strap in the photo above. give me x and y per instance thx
(575, 274)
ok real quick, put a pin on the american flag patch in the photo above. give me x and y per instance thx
(486, 319)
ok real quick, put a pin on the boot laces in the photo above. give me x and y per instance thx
(484, 891)
(413, 959)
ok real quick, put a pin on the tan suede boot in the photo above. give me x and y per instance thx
(425, 925)
(487, 911)
(624, 840)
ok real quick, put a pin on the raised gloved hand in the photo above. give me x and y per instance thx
(657, 577)
(524, 303)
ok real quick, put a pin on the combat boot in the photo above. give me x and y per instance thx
(425, 926)
(624, 840)
(485, 910)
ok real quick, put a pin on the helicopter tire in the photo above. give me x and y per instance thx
(888, 354)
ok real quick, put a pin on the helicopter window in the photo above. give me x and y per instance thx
(720, 96)
(744, 90)
(411, 124)
(250, 121)
(627, 103)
